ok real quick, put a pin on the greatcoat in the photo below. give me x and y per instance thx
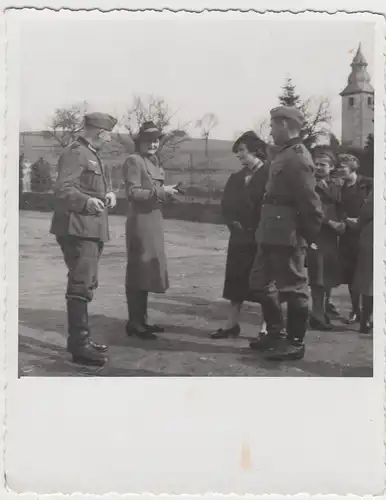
(146, 259)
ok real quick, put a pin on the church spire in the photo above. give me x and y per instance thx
(359, 79)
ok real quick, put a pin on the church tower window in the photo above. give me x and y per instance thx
(351, 101)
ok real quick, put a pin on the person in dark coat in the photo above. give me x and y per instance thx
(82, 196)
(146, 269)
(290, 221)
(364, 274)
(241, 204)
(355, 190)
(323, 264)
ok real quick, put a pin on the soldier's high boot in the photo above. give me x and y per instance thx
(78, 342)
(293, 347)
(96, 345)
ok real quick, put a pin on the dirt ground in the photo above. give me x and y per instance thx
(189, 311)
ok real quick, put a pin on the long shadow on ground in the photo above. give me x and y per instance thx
(54, 360)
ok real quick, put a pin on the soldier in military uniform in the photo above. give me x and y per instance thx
(290, 221)
(82, 198)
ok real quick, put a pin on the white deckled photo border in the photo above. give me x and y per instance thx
(184, 435)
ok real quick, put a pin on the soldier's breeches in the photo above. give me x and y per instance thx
(279, 268)
(82, 259)
(279, 272)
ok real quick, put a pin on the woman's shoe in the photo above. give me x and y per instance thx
(353, 318)
(145, 335)
(331, 309)
(97, 346)
(228, 332)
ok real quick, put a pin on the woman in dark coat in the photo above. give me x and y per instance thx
(241, 204)
(355, 190)
(363, 280)
(146, 261)
(323, 263)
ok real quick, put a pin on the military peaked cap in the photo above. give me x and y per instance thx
(100, 120)
(288, 112)
(253, 143)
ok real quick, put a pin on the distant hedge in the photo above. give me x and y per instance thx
(189, 211)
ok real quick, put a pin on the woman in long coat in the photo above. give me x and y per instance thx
(363, 281)
(323, 263)
(356, 188)
(241, 205)
(146, 260)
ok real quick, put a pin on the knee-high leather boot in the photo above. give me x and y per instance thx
(297, 322)
(78, 342)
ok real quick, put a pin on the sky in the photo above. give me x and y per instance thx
(233, 68)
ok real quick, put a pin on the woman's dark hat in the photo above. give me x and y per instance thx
(253, 143)
(149, 130)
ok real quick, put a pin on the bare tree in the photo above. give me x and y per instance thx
(157, 110)
(207, 123)
(317, 120)
(66, 123)
(263, 130)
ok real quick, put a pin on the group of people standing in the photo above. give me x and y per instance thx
(285, 210)
(321, 189)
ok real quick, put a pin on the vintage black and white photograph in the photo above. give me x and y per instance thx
(196, 208)
(193, 237)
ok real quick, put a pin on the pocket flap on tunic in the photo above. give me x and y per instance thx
(278, 226)
(92, 167)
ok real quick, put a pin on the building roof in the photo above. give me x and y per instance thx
(359, 79)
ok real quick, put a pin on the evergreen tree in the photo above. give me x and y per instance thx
(316, 113)
(21, 175)
(369, 147)
(41, 178)
(369, 156)
(289, 96)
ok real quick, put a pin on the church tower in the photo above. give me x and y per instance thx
(357, 104)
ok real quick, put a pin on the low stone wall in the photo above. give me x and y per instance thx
(189, 211)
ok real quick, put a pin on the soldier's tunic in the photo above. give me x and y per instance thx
(241, 202)
(80, 235)
(290, 220)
